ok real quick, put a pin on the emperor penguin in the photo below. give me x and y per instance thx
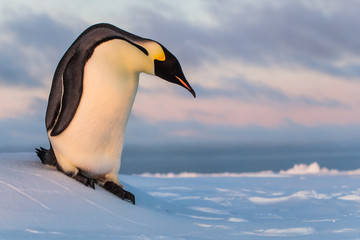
(91, 96)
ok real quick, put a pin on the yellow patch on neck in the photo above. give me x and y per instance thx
(160, 56)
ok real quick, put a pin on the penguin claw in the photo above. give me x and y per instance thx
(120, 192)
(89, 182)
(129, 197)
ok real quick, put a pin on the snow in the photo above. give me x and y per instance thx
(305, 202)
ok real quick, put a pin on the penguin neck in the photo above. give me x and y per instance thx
(113, 71)
(122, 58)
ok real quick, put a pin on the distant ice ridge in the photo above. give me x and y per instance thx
(313, 168)
(298, 169)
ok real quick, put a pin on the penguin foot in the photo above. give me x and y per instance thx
(89, 182)
(119, 191)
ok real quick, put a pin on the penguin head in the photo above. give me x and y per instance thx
(167, 67)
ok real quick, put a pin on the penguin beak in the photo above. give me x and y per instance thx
(186, 85)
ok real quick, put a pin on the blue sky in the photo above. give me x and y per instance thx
(264, 71)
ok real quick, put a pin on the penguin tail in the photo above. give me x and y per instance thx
(47, 156)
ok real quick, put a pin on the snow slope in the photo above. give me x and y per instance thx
(37, 202)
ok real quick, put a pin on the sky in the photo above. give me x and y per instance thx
(264, 71)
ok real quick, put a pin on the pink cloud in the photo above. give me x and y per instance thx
(230, 111)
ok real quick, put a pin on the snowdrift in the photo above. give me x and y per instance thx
(37, 202)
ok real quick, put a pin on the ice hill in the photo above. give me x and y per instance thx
(37, 202)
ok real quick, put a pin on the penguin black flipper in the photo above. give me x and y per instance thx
(72, 91)
(67, 86)
(66, 90)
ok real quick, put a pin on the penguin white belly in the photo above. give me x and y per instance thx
(94, 139)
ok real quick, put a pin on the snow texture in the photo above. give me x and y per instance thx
(37, 202)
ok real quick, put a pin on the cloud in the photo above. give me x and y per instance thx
(11, 71)
(227, 111)
(287, 33)
(247, 91)
(41, 32)
(17, 102)
(244, 90)
(31, 48)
